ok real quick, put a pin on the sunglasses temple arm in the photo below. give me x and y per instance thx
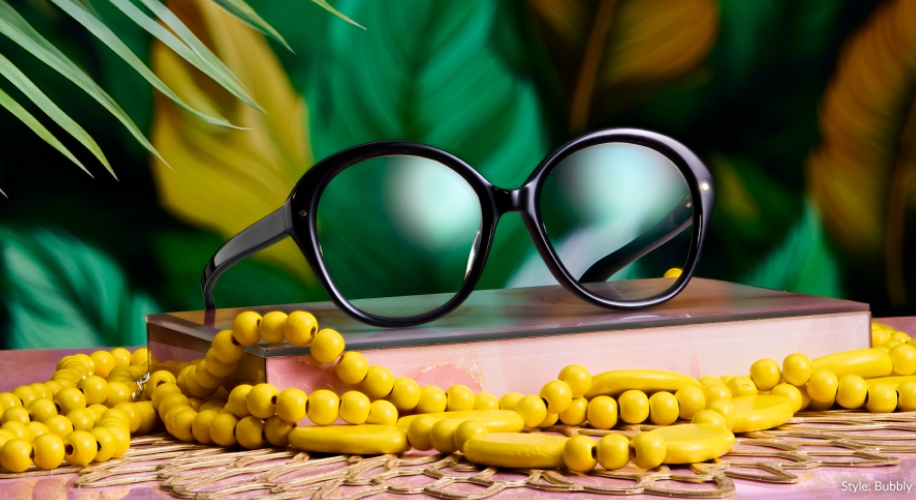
(679, 219)
(260, 235)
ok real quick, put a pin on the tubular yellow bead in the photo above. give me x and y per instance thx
(486, 401)
(354, 407)
(352, 368)
(160, 377)
(717, 391)
(271, 327)
(121, 356)
(509, 400)
(576, 413)
(250, 433)
(723, 407)
(17, 414)
(613, 451)
(558, 396)
(172, 400)
(117, 393)
(327, 346)
(222, 429)
(378, 383)
(580, 454)
(710, 417)
(418, 433)
(238, 401)
(432, 400)
(602, 412)
(103, 361)
(26, 395)
(577, 378)
(791, 393)
(322, 407)
(262, 400)
(851, 391)
(648, 450)
(906, 396)
(139, 357)
(741, 386)
(17, 429)
(291, 404)
(796, 369)
(690, 400)
(382, 412)
(36, 429)
(245, 328)
(822, 386)
(42, 409)
(532, 410)
(276, 431)
(80, 448)
(904, 358)
(225, 348)
(107, 443)
(217, 367)
(459, 398)
(59, 425)
(300, 328)
(405, 394)
(16, 455)
(881, 399)
(467, 430)
(634, 407)
(663, 408)
(49, 451)
(8, 400)
(200, 427)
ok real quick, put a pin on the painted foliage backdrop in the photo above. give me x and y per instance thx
(805, 110)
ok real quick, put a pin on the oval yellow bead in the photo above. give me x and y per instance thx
(707, 380)
(276, 431)
(418, 431)
(238, 401)
(694, 443)
(200, 427)
(442, 436)
(250, 433)
(225, 348)
(726, 408)
(350, 439)
(709, 417)
(261, 400)
(716, 391)
(222, 429)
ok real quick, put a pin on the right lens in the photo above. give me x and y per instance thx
(399, 225)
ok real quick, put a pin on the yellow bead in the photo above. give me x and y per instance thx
(796, 369)
(906, 396)
(123, 438)
(354, 407)
(791, 393)
(710, 417)
(901, 337)
(54, 387)
(821, 406)
(149, 419)
(17, 429)
(707, 380)
(97, 411)
(5, 436)
(382, 412)
(238, 401)
(322, 407)
(300, 328)
(851, 391)
(276, 431)
(378, 383)
(170, 401)
(327, 346)
(486, 401)
(104, 362)
(822, 386)
(161, 392)
(42, 409)
(765, 374)
(36, 429)
(271, 327)
(634, 406)
(139, 357)
(532, 410)
(200, 427)
(41, 390)
(49, 451)
(8, 400)
(724, 407)
(690, 400)
(879, 336)
(217, 367)
(17, 414)
(95, 389)
(107, 443)
(602, 412)
(579, 454)
(262, 400)
(82, 420)
(68, 375)
(549, 420)
(740, 386)
(87, 361)
(509, 400)
(663, 408)
(716, 391)
(225, 348)
(725, 378)
(577, 378)
(576, 413)
(613, 451)
(250, 433)
(459, 398)
(160, 377)
(117, 393)
(121, 356)
(352, 368)
(245, 328)
(648, 450)
(26, 395)
(59, 425)
(418, 433)
(181, 423)
(432, 400)
(15, 456)
(673, 273)
(217, 404)
(904, 358)
(881, 399)
(205, 379)
(467, 430)
(119, 415)
(405, 394)
(558, 396)
(80, 448)
(291, 405)
(442, 437)
(222, 429)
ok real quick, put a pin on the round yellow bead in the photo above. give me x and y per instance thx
(532, 410)
(107, 443)
(117, 393)
(36, 429)
(613, 451)
(291, 405)
(82, 419)
(42, 409)
(881, 399)
(727, 377)
(159, 393)
(378, 383)
(103, 361)
(49, 451)
(724, 407)
(382, 412)
(418, 432)
(200, 427)
(262, 400)
(442, 437)
(217, 404)
(17, 414)
(851, 391)
(707, 380)
(139, 357)
(663, 408)
(217, 367)
(354, 407)
(634, 406)
(710, 417)
(466, 431)
(558, 396)
(15, 456)
(205, 379)
(8, 400)
(352, 368)
(181, 425)
(327, 346)
(690, 400)
(245, 328)
(59, 425)
(486, 401)
(5, 436)
(901, 337)
(322, 407)
(149, 419)
(194, 387)
(271, 327)
(17, 429)
(577, 378)
(238, 401)
(602, 412)
(549, 420)
(648, 450)
(405, 394)
(509, 400)
(580, 453)
(791, 393)
(123, 437)
(95, 389)
(716, 391)
(160, 377)
(41, 390)
(432, 400)
(121, 356)
(906, 396)
(822, 386)
(170, 401)
(576, 413)
(276, 431)
(222, 430)
(54, 387)
(80, 448)
(741, 386)
(87, 362)
(97, 411)
(765, 374)
(225, 348)
(459, 398)
(250, 433)
(26, 395)
(300, 328)
(904, 358)
(796, 369)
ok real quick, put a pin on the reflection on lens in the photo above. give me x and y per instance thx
(619, 216)
(395, 226)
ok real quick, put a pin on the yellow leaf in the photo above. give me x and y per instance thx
(223, 179)
(862, 175)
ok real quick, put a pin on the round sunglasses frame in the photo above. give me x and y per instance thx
(298, 218)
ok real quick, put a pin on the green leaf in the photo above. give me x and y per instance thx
(246, 14)
(326, 6)
(22, 82)
(13, 107)
(19, 31)
(95, 26)
(61, 292)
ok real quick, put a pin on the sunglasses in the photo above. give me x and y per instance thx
(608, 212)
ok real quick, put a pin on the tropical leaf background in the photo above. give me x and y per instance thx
(208, 111)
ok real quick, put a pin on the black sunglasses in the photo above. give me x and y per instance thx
(598, 168)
